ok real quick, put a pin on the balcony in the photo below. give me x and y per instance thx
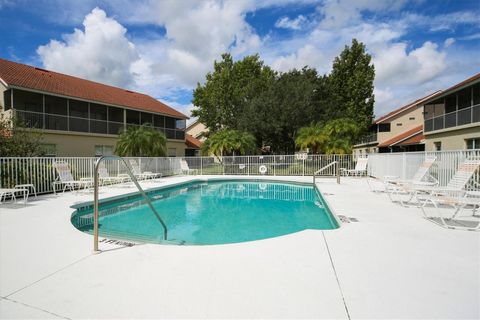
(453, 119)
(369, 138)
(48, 121)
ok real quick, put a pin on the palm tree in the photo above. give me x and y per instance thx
(143, 141)
(340, 133)
(229, 142)
(311, 137)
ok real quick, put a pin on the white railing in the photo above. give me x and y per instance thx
(404, 165)
(40, 172)
(278, 165)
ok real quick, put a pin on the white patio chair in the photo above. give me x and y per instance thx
(360, 168)
(4, 192)
(105, 177)
(66, 179)
(455, 187)
(186, 169)
(137, 172)
(457, 204)
(395, 186)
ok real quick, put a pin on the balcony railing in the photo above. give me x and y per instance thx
(453, 119)
(371, 137)
(48, 121)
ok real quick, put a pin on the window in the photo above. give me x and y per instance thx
(78, 109)
(103, 150)
(437, 145)
(133, 117)
(56, 105)
(384, 127)
(146, 118)
(159, 121)
(399, 124)
(473, 143)
(49, 149)
(180, 124)
(98, 112)
(27, 101)
(465, 98)
(172, 152)
(169, 123)
(476, 94)
(451, 103)
(7, 99)
(115, 114)
(411, 118)
(56, 110)
(428, 111)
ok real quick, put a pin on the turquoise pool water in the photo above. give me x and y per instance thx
(213, 212)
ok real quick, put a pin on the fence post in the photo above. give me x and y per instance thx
(201, 166)
(274, 173)
(303, 169)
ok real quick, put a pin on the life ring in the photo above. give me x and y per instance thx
(262, 169)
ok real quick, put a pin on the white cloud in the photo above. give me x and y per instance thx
(101, 52)
(448, 42)
(287, 23)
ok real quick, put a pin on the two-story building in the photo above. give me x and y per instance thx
(78, 117)
(452, 117)
(197, 130)
(400, 130)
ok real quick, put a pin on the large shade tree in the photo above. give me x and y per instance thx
(351, 85)
(229, 142)
(223, 98)
(142, 141)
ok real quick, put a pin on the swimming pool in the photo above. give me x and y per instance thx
(212, 212)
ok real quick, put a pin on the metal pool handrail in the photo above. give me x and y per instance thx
(337, 171)
(95, 199)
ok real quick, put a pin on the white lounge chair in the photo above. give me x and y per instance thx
(395, 186)
(66, 179)
(455, 187)
(137, 172)
(4, 192)
(360, 168)
(105, 177)
(458, 204)
(186, 169)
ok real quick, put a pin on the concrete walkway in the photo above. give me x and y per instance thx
(391, 263)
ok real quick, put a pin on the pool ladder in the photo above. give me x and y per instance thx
(95, 199)
(337, 171)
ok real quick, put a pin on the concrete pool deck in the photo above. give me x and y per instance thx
(392, 263)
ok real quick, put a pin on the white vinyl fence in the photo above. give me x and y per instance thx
(40, 171)
(404, 165)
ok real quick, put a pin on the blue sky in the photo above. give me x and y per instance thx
(164, 48)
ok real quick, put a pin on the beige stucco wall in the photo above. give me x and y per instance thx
(402, 118)
(83, 145)
(196, 129)
(452, 140)
(2, 90)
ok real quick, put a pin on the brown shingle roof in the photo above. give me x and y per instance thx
(24, 76)
(403, 136)
(192, 142)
